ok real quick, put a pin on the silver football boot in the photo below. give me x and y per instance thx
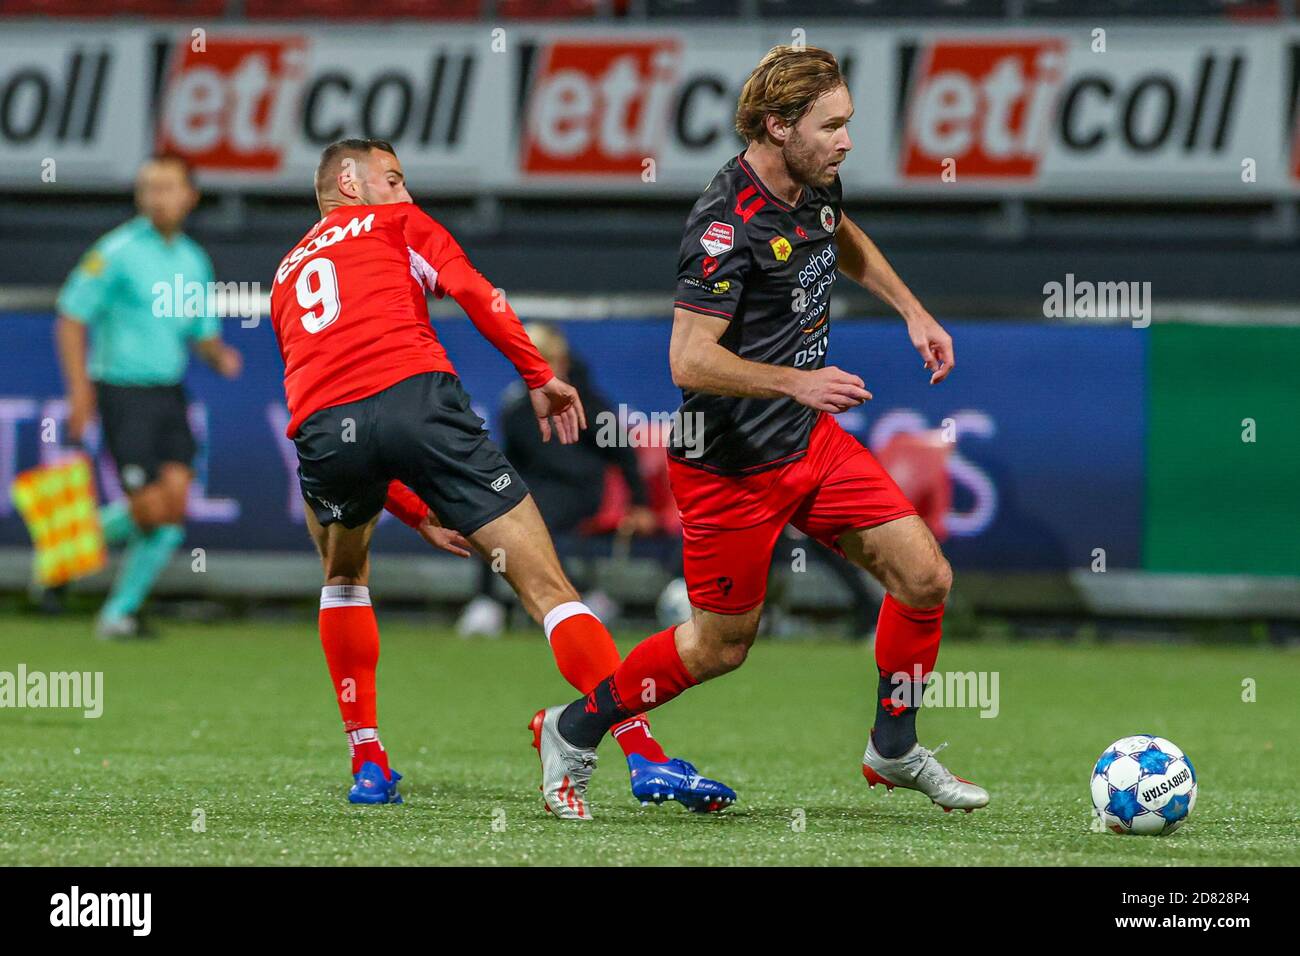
(566, 769)
(919, 770)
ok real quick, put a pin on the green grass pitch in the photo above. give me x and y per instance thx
(233, 726)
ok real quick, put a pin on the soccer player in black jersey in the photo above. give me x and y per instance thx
(758, 445)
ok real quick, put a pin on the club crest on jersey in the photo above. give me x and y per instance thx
(92, 263)
(828, 218)
(718, 238)
(780, 247)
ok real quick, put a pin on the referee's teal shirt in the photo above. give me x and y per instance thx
(144, 299)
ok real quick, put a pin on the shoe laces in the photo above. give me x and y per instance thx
(930, 764)
(684, 766)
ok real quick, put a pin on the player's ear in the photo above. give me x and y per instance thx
(348, 181)
(776, 128)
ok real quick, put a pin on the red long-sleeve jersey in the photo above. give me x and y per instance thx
(349, 312)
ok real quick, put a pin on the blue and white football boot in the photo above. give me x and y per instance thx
(677, 780)
(372, 786)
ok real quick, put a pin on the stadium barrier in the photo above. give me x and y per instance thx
(1084, 461)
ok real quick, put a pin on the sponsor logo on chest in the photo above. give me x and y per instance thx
(321, 241)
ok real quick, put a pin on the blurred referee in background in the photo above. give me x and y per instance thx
(133, 369)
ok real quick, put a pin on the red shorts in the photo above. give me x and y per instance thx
(730, 523)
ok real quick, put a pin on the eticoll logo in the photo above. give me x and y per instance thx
(55, 690)
(103, 909)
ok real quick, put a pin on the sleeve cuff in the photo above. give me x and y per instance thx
(691, 307)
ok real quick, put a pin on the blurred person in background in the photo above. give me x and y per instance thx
(568, 482)
(124, 350)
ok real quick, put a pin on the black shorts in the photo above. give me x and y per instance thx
(420, 432)
(144, 426)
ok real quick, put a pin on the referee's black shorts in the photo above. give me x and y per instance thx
(421, 432)
(144, 426)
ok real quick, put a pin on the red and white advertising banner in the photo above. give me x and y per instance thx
(1158, 112)
(255, 109)
(1141, 112)
(72, 107)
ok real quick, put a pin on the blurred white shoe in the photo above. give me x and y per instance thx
(674, 604)
(116, 628)
(602, 605)
(482, 617)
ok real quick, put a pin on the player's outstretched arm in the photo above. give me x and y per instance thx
(494, 318)
(556, 403)
(862, 261)
(700, 364)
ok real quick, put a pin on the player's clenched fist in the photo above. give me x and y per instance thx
(830, 389)
(558, 402)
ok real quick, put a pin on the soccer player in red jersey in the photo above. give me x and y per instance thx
(750, 330)
(379, 418)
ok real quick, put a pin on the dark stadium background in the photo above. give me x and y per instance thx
(1075, 434)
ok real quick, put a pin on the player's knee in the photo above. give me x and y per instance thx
(928, 586)
(345, 569)
(353, 576)
(710, 651)
(723, 655)
(731, 655)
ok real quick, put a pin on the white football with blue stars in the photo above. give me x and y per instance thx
(1143, 785)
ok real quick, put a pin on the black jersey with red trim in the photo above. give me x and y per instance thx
(768, 268)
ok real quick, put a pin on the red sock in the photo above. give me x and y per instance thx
(585, 654)
(349, 635)
(364, 747)
(907, 638)
(652, 674)
(633, 735)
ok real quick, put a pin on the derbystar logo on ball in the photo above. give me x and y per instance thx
(718, 238)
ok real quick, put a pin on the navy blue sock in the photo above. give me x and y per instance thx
(588, 719)
(897, 702)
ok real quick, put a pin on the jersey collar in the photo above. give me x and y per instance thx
(764, 191)
(146, 228)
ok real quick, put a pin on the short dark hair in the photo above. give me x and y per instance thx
(187, 168)
(334, 154)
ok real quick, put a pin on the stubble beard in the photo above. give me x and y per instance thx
(802, 163)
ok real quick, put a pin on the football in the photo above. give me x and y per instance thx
(1143, 785)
